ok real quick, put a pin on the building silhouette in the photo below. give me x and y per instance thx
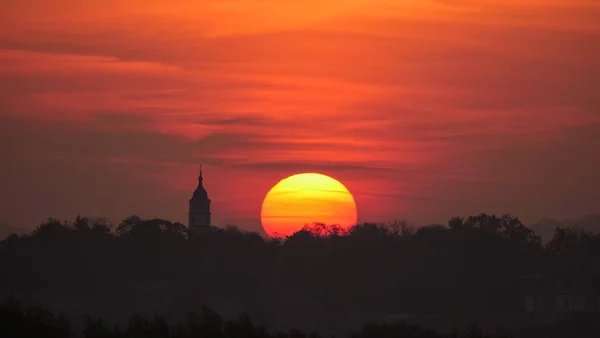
(560, 289)
(199, 215)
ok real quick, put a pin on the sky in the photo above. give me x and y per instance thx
(423, 109)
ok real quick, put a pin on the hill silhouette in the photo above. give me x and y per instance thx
(545, 227)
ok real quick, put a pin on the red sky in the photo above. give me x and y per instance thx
(423, 109)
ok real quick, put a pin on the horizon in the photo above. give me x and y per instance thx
(544, 227)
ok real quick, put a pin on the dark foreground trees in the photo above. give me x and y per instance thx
(321, 278)
(33, 322)
(17, 321)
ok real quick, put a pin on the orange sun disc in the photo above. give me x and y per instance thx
(305, 199)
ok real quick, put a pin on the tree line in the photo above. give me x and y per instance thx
(17, 320)
(34, 322)
(321, 278)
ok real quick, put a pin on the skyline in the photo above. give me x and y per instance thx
(424, 110)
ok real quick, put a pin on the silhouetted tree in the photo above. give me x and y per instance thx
(33, 322)
(322, 274)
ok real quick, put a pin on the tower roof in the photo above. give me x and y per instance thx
(200, 193)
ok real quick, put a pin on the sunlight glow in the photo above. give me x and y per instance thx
(305, 199)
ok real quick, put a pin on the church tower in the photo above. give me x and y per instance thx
(199, 217)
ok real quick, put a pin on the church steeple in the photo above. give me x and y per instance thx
(199, 216)
(200, 192)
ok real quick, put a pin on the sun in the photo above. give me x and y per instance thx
(305, 199)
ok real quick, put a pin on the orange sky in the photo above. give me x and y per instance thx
(423, 109)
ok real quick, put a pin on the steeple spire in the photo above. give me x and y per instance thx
(199, 216)
(200, 192)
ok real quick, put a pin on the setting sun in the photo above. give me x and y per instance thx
(305, 199)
